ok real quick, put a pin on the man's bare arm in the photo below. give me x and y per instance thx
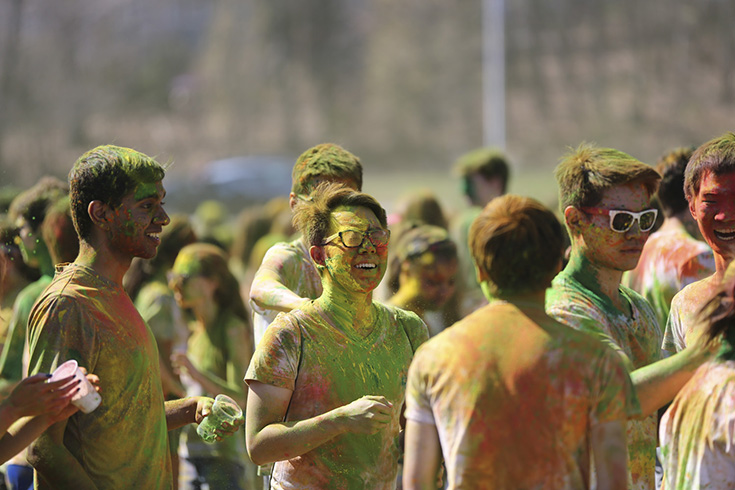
(422, 456)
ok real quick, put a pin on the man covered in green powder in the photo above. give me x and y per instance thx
(327, 381)
(85, 314)
(605, 197)
(287, 277)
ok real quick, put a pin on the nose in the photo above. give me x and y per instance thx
(367, 245)
(162, 217)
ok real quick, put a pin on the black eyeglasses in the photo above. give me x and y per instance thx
(622, 220)
(355, 239)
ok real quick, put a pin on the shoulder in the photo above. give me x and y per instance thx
(693, 296)
(415, 328)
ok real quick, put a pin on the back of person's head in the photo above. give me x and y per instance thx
(518, 244)
(313, 217)
(586, 172)
(670, 194)
(210, 261)
(716, 156)
(31, 205)
(107, 174)
(422, 206)
(325, 162)
(58, 232)
(490, 163)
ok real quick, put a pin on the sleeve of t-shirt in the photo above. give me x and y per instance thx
(418, 405)
(616, 397)
(415, 328)
(674, 333)
(276, 358)
(59, 329)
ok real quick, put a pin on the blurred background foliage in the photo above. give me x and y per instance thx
(398, 82)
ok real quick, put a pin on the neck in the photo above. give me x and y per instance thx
(347, 310)
(602, 280)
(102, 261)
(205, 312)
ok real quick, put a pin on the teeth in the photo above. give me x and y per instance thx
(725, 234)
(365, 266)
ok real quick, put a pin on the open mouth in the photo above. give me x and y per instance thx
(725, 235)
(154, 236)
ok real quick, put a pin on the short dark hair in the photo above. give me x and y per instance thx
(32, 204)
(672, 165)
(107, 173)
(490, 163)
(518, 243)
(325, 161)
(716, 156)
(312, 217)
(586, 172)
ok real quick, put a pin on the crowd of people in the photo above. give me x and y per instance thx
(509, 346)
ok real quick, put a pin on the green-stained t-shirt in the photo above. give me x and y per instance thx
(83, 316)
(11, 361)
(514, 398)
(327, 368)
(215, 352)
(636, 338)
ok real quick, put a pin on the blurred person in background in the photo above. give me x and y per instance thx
(511, 398)
(211, 222)
(419, 205)
(698, 429)
(327, 381)
(287, 277)
(147, 285)
(29, 210)
(17, 276)
(674, 255)
(484, 174)
(423, 273)
(217, 355)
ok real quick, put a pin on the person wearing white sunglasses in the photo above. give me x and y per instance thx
(605, 196)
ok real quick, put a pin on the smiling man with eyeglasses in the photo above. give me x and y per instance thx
(605, 196)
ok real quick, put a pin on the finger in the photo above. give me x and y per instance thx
(83, 370)
(380, 399)
(36, 378)
(58, 384)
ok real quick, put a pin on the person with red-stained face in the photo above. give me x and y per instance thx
(709, 185)
(605, 196)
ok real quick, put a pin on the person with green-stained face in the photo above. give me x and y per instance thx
(605, 197)
(287, 277)
(85, 314)
(327, 380)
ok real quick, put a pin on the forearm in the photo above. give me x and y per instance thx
(21, 434)
(181, 412)
(7, 417)
(658, 383)
(269, 293)
(282, 441)
(57, 466)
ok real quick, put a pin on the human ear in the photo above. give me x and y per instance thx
(693, 209)
(572, 217)
(317, 255)
(99, 213)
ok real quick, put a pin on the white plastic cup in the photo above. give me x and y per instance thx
(87, 398)
(224, 409)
